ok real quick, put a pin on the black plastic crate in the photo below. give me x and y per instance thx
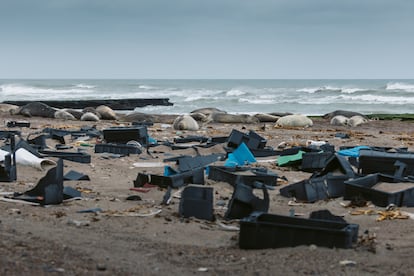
(251, 139)
(80, 157)
(243, 202)
(315, 161)
(197, 201)
(317, 188)
(122, 149)
(234, 175)
(261, 230)
(372, 161)
(363, 187)
(122, 135)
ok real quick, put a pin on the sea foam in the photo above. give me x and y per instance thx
(400, 86)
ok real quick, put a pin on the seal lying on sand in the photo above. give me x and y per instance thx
(147, 118)
(354, 121)
(200, 118)
(75, 113)
(89, 116)
(339, 120)
(63, 114)
(357, 121)
(233, 118)
(345, 113)
(185, 122)
(91, 109)
(106, 112)
(265, 118)
(295, 120)
(208, 111)
(8, 108)
(36, 109)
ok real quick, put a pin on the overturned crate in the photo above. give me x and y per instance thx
(382, 190)
(261, 230)
(329, 183)
(372, 161)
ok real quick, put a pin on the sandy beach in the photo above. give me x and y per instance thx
(57, 239)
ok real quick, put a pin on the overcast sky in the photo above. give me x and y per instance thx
(206, 39)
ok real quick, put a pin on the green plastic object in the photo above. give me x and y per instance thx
(289, 160)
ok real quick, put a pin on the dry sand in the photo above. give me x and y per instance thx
(57, 240)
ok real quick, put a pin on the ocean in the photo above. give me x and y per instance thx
(309, 97)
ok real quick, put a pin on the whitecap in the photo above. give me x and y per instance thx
(235, 92)
(147, 87)
(377, 99)
(193, 98)
(400, 86)
(352, 90)
(310, 90)
(86, 86)
(256, 101)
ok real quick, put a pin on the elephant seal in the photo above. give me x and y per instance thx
(147, 118)
(266, 118)
(91, 110)
(280, 114)
(89, 116)
(233, 118)
(137, 117)
(345, 113)
(8, 108)
(339, 120)
(185, 122)
(200, 117)
(63, 114)
(37, 109)
(208, 110)
(165, 118)
(295, 120)
(106, 112)
(75, 113)
(356, 121)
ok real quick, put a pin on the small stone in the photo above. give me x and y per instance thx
(78, 223)
(312, 247)
(202, 269)
(347, 263)
(101, 267)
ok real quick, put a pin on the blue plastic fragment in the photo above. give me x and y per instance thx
(241, 156)
(169, 171)
(352, 152)
(152, 141)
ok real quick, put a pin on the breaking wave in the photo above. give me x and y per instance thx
(400, 86)
(347, 90)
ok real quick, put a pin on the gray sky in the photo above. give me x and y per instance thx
(206, 39)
